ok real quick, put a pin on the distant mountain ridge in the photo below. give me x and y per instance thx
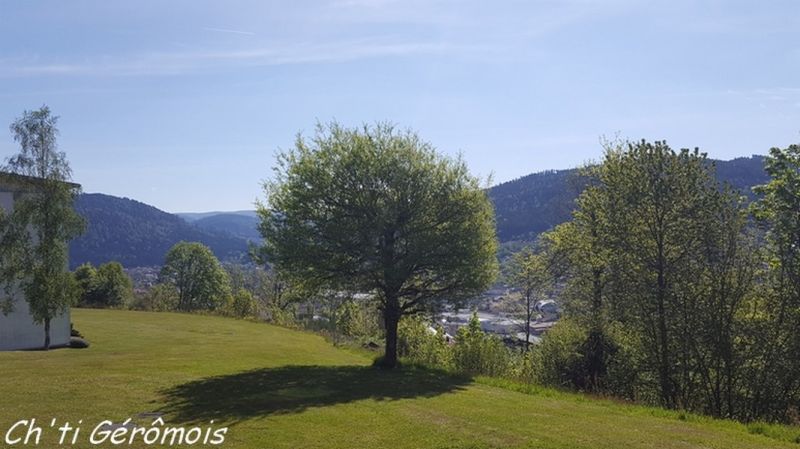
(537, 202)
(192, 217)
(238, 224)
(137, 234)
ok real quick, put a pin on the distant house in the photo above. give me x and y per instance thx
(17, 329)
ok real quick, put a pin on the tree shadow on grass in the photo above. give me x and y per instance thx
(293, 389)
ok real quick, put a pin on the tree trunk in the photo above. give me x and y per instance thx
(47, 334)
(391, 318)
(664, 376)
(528, 320)
(596, 339)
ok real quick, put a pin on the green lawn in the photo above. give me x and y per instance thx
(278, 388)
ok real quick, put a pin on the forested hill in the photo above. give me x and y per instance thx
(241, 225)
(136, 234)
(535, 203)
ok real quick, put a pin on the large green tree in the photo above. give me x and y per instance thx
(196, 274)
(776, 388)
(657, 247)
(377, 210)
(34, 236)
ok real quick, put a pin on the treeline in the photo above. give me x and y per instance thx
(676, 291)
(193, 280)
(675, 298)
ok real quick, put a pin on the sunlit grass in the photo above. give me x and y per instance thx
(280, 388)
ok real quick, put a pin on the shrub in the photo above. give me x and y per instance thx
(240, 305)
(478, 353)
(417, 344)
(349, 320)
(159, 298)
(564, 357)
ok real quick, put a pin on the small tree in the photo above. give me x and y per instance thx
(530, 274)
(106, 286)
(196, 274)
(34, 236)
(379, 211)
(114, 286)
(241, 304)
(86, 278)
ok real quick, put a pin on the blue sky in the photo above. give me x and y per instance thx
(183, 104)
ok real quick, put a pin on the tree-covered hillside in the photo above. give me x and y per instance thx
(136, 234)
(537, 202)
(139, 235)
(236, 224)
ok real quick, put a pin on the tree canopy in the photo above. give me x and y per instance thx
(377, 210)
(34, 236)
(196, 274)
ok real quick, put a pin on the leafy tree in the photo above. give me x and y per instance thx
(196, 274)
(776, 388)
(376, 210)
(34, 236)
(655, 200)
(659, 248)
(106, 286)
(241, 304)
(581, 262)
(114, 286)
(530, 273)
(86, 278)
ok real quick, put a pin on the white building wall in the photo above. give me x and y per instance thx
(17, 329)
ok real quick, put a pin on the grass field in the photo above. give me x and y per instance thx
(278, 388)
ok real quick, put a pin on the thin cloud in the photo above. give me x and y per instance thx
(229, 31)
(273, 55)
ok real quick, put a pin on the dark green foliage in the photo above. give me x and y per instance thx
(241, 305)
(137, 235)
(106, 286)
(534, 203)
(197, 276)
(238, 225)
(576, 357)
